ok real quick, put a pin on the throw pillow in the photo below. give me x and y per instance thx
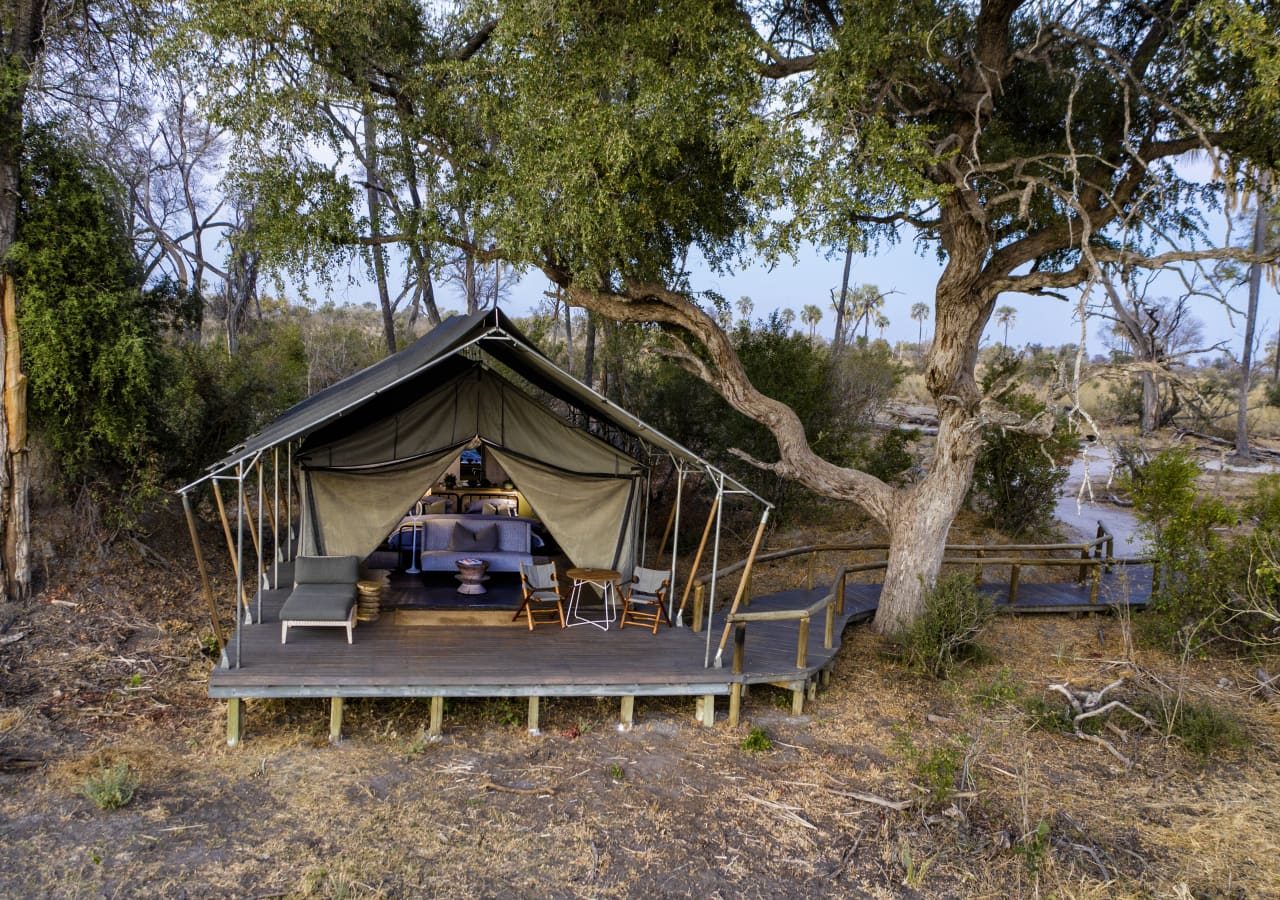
(487, 538)
(462, 540)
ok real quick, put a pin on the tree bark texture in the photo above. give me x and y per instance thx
(21, 36)
(373, 196)
(1263, 201)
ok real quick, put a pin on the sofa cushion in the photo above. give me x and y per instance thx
(483, 539)
(326, 570)
(319, 603)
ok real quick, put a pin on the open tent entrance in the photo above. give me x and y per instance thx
(360, 475)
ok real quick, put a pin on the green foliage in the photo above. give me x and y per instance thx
(1034, 847)
(90, 334)
(1055, 718)
(757, 741)
(1204, 729)
(1001, 690)
(616, 772)
(946, 635)
(936, 771)
(1200, 566)
(1017, 476)
(111, 787)
(887, 458)
(783, 365)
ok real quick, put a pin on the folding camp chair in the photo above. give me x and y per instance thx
(644, 599)
(542, 604)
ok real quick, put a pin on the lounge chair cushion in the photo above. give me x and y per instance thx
(326, 570)
(319, 603)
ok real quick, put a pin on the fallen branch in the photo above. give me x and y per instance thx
(895, 805)
(12, 638)
(787, 812)
(488, 785)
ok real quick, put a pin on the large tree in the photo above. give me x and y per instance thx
(1027, 144)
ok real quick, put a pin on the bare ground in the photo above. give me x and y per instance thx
(583, 810)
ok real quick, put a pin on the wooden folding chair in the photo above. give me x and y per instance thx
(543, 603)
(644, 599)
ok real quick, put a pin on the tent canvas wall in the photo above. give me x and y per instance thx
(360, 474)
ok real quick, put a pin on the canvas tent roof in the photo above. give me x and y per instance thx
(408, 373)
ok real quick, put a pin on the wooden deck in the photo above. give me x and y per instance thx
(389, 659)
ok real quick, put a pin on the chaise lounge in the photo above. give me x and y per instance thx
(324, 594)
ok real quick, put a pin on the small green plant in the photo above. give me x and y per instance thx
(946, 635)
(1001, 690)
(1051, 717)
(135, 680)
(616, 772)
(111, 787)
(1034, 847)
(937, 771)
(913, 873)
(757, 741)
(1204, 730)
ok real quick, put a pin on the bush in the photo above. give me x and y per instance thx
(946, 635)
(1204, 729)
(111, 787)
(1017, 476)
(757, 741)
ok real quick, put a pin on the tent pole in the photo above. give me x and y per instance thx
(715, 567)
(204, 573)
(290, 551)
(275, 516)
(675, 539)
(261, 570)
(644, 527)
(742, 585)
(226, 531)
(697, 558)
(239, 555)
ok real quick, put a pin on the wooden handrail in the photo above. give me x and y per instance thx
(1105, 543)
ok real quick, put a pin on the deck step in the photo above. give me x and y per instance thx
(428, 617)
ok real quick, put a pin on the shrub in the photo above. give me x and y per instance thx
(1002, 689)
(111, 787)
(1046, 716)
(1017, 476)
(756, 742)
(955, 615)
(1204, 729)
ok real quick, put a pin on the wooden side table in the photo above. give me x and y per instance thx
(471, 576)
(607, 581)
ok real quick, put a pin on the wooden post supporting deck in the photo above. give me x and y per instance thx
(533, 716)
(235, 721)
(335, 720)
(705, 710)
(436, 728)
(627, 713)
(735, 691)
(699, 598)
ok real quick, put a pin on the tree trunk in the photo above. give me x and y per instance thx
(374, 198)
(568, 336)
(921, 515)
(842, 300)
(1150, 403)
(920, 523)
(1251, 317)
(23, 24)
(589, 351)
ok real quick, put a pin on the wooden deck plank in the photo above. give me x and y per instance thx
(387, 659)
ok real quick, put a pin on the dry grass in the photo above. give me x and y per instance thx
(667, 809)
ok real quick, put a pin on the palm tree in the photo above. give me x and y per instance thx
(866, 299)
(1006, 316)
(811, 315)
(882, 322)
(788, 316)
(745, 305)
(920, 312)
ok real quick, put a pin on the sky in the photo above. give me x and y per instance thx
(908, 277)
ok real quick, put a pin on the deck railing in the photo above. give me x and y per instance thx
(1096, 557)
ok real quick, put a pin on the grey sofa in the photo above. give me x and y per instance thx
(501, 541)
(324, 593)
